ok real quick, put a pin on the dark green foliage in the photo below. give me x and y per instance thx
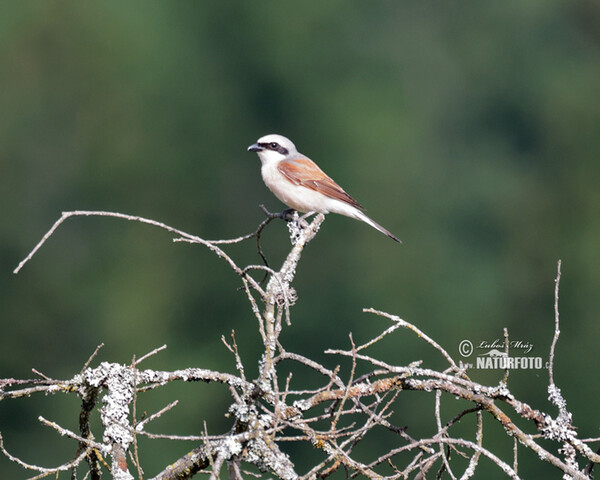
(470, 130)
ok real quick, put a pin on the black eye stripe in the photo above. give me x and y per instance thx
(269, 145)
(275, 147)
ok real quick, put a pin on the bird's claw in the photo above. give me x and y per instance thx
(288, 215)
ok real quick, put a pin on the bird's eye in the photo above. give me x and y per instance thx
(273, 146)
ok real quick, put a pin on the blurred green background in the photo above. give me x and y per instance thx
(471, 130)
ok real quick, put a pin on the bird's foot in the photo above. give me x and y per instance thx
(289, 215)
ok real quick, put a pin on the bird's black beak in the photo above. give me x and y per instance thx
(255, 148)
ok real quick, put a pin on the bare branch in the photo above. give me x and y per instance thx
(420, 334)
(149, 354)
(333, 416)
(556, 325)
(45, 471)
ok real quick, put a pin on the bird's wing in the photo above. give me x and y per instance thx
(305, 172)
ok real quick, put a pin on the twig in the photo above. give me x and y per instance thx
(446, 463)
(346, 390)
(504, 380)
(470, 470)
(184, 237)
(41, 374)
(68, 433)
(88, 213)
(420, 334)
(234, 349)
(140, 426)
(92, 356)
(454, 441)
(556, 325)
(149, 354)
(136, 458)
(45, 471)
(515, 456)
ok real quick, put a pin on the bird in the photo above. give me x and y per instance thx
(300, 184)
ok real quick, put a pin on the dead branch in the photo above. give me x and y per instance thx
(266, 412)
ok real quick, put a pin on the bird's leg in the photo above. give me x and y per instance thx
(287, 215)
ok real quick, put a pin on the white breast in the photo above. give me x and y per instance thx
(294, 196)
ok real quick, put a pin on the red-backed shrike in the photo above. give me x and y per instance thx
(299, 183)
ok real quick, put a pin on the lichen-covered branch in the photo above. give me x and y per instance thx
(273, 409)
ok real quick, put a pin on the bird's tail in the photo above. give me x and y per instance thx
(361, 216)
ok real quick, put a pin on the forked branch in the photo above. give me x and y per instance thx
(267, 412)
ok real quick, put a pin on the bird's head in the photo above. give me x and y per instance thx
(273, 148)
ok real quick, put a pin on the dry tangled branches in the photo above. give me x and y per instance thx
(266, 412)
